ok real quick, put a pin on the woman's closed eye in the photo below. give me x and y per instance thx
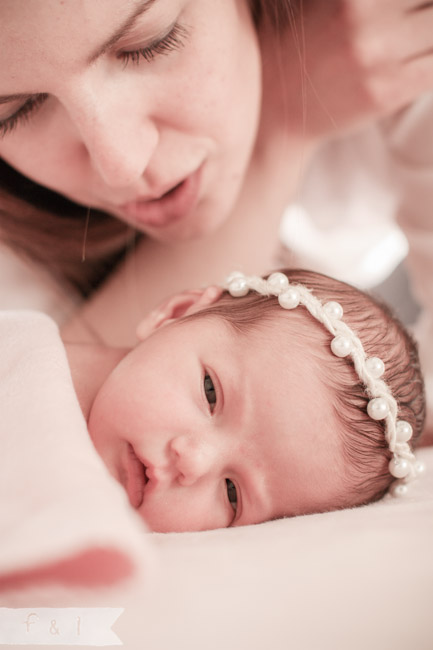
(210, 392)
(22, 114)
(173, 40)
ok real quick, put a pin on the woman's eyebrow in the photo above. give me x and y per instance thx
(142, 7)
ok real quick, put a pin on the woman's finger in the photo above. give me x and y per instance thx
(414, 37)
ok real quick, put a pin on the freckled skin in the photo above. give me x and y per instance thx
(113, 131)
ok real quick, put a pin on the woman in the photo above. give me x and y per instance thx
(187, 120)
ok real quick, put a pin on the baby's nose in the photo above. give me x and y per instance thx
(193, 458)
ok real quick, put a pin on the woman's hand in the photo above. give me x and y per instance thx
(346, 62)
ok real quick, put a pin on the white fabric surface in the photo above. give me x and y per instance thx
(27, 286)
(353, 579)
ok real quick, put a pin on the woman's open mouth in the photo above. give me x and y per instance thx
(172, 206)
(136, 479)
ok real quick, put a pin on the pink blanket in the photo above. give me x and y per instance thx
(62, 516)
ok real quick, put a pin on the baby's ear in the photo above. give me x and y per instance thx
(181, 304)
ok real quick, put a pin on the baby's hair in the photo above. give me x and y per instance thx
(363, 441)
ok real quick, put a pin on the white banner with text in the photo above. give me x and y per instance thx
(59, 626)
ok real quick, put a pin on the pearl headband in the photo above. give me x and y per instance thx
(382, 405)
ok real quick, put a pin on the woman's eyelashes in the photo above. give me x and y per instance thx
(22, 114)
(210, 392)
(232, 494)
(174, 40)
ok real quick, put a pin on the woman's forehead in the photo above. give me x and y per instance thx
(60, 33)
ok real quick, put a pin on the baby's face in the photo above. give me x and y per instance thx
(207, 428)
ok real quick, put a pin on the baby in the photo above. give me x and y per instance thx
(256, 402)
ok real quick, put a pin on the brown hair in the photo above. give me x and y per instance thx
(74, 244)
(279, 13)
(363, 441)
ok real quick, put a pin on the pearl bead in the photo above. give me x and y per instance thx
(289, 299)
(378, 409)
(277, 282)
(375, 367)
(341, 346)
(398, 489)
(399, 467)
(238, 287)
(404, 431)
(333, 309)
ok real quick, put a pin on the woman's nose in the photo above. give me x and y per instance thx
(118, 153)
(193, 458)
(119, 140)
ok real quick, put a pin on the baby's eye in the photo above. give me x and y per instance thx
(231, 493)
(209, 391)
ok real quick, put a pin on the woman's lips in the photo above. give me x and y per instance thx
(172, 206)
(136, 478)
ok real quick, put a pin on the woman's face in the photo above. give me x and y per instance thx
(147, 109)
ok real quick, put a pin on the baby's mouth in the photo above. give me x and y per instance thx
(136, 479)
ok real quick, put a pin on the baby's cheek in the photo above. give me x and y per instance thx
(181, 509)
(107, 440)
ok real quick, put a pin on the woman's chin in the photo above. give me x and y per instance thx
(197, 225)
